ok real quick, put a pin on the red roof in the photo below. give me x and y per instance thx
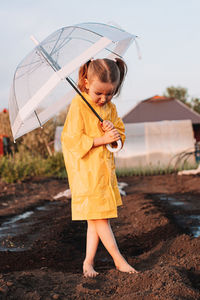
(160, 108)
(158, 98)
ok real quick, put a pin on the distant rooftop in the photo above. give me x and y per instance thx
(160, 108)
(158, 98)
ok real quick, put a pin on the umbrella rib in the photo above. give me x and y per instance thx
(38, 118)
(113, 52)
(56, 41)
(26, 65)
(35, 65)
(108, 25)
(14, 92)
(65, 42)
(69, 39)
(34, 68)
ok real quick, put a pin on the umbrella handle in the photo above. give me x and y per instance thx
(114, 149)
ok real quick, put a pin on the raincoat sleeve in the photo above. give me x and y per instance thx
(73, 137)
(118, 123)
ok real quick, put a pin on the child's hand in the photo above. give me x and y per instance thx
(111, 136)
(107, 125)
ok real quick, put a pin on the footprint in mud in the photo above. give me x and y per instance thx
(87, 288)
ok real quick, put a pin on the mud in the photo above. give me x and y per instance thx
(41, 249)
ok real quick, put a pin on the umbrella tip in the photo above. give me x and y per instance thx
(34, 40)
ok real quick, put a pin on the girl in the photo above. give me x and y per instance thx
(90, 166)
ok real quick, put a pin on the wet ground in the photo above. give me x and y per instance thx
(41, 249)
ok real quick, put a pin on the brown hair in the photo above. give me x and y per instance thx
(106, 70)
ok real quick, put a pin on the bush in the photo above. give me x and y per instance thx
(39, 140)
(23, 165)
(32, 155)
(55, 166)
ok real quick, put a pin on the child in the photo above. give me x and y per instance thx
(90, 166)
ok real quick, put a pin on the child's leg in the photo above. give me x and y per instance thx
(91, 248)
(106, 235)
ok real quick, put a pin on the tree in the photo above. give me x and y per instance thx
(179, 93)
(196, 104)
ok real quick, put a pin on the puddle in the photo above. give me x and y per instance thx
(190, 223)
(184, 216)
(195, 231)
(177, 203)
(197, 217)
(18, 218)
(22, 225)
(172, 200)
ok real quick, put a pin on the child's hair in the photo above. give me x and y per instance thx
(106, 70)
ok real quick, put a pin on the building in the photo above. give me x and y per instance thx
(160, 108)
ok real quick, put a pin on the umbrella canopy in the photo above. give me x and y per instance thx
(39, 91)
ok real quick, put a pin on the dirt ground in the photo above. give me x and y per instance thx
(41, 255)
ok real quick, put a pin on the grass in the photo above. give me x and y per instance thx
(153, 170)
(23, 165)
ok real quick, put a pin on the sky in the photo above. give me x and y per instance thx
(168, 30)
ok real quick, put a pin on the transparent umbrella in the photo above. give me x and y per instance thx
(45, 81)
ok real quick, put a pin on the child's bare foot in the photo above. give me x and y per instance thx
(88, 270)
(125, 267)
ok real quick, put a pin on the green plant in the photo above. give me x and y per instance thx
(23, 165)
(152, 170)
(55, 166)
(18, 167)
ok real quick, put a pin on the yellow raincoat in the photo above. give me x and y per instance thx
(91, 170)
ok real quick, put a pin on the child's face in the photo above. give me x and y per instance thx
(100, 92)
